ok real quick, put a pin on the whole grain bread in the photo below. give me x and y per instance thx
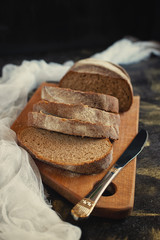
(101, 77)
(76, 154)
(78, 111)
(95, 100)
(72, 126)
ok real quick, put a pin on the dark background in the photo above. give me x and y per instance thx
(34, 28)
(59, 30)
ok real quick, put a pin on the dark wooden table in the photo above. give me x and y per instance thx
(144, 222)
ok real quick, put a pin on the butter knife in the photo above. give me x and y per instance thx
(84, 208)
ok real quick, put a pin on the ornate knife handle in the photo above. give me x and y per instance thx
(84, 208)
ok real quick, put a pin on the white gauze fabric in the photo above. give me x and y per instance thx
(126, 51)
(24, 213)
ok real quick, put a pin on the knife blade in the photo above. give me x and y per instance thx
(84, 208)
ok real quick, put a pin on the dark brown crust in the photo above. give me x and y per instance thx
(97, 69)
(122, 69)
(92, 99)
(85, 168)
(92, 77)
(100, 69)
(77, 111)
(125, 100)
(72, 126)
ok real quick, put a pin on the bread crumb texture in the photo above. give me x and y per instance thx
(63, 149)
(100, 77)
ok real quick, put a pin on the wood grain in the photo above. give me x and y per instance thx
(74, 187)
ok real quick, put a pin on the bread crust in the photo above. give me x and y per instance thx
(72, 126)
(88, 167)
(70, 96)
(78, 111)
(101, 77)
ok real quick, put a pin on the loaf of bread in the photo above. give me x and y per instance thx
(100, 77)
(72, 126)
(76, 154)
(95, 100)
(78, 111)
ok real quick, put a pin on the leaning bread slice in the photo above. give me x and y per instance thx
(95, 100)
(76, 154)
(72, 126)
(79, 112)
(101, 77)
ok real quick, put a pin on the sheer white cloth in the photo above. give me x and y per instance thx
(126, 51)
(24, 213)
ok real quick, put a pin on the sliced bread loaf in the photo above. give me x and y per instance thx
(101, 77)
(78, 111)
(76, 154)
(72, 126)
(95, 100)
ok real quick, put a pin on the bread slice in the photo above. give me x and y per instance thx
(76, 154)
(78, 111)
(101, 77)
(95, 100)
(72, 126)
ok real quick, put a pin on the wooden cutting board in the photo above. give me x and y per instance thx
(74, 187)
